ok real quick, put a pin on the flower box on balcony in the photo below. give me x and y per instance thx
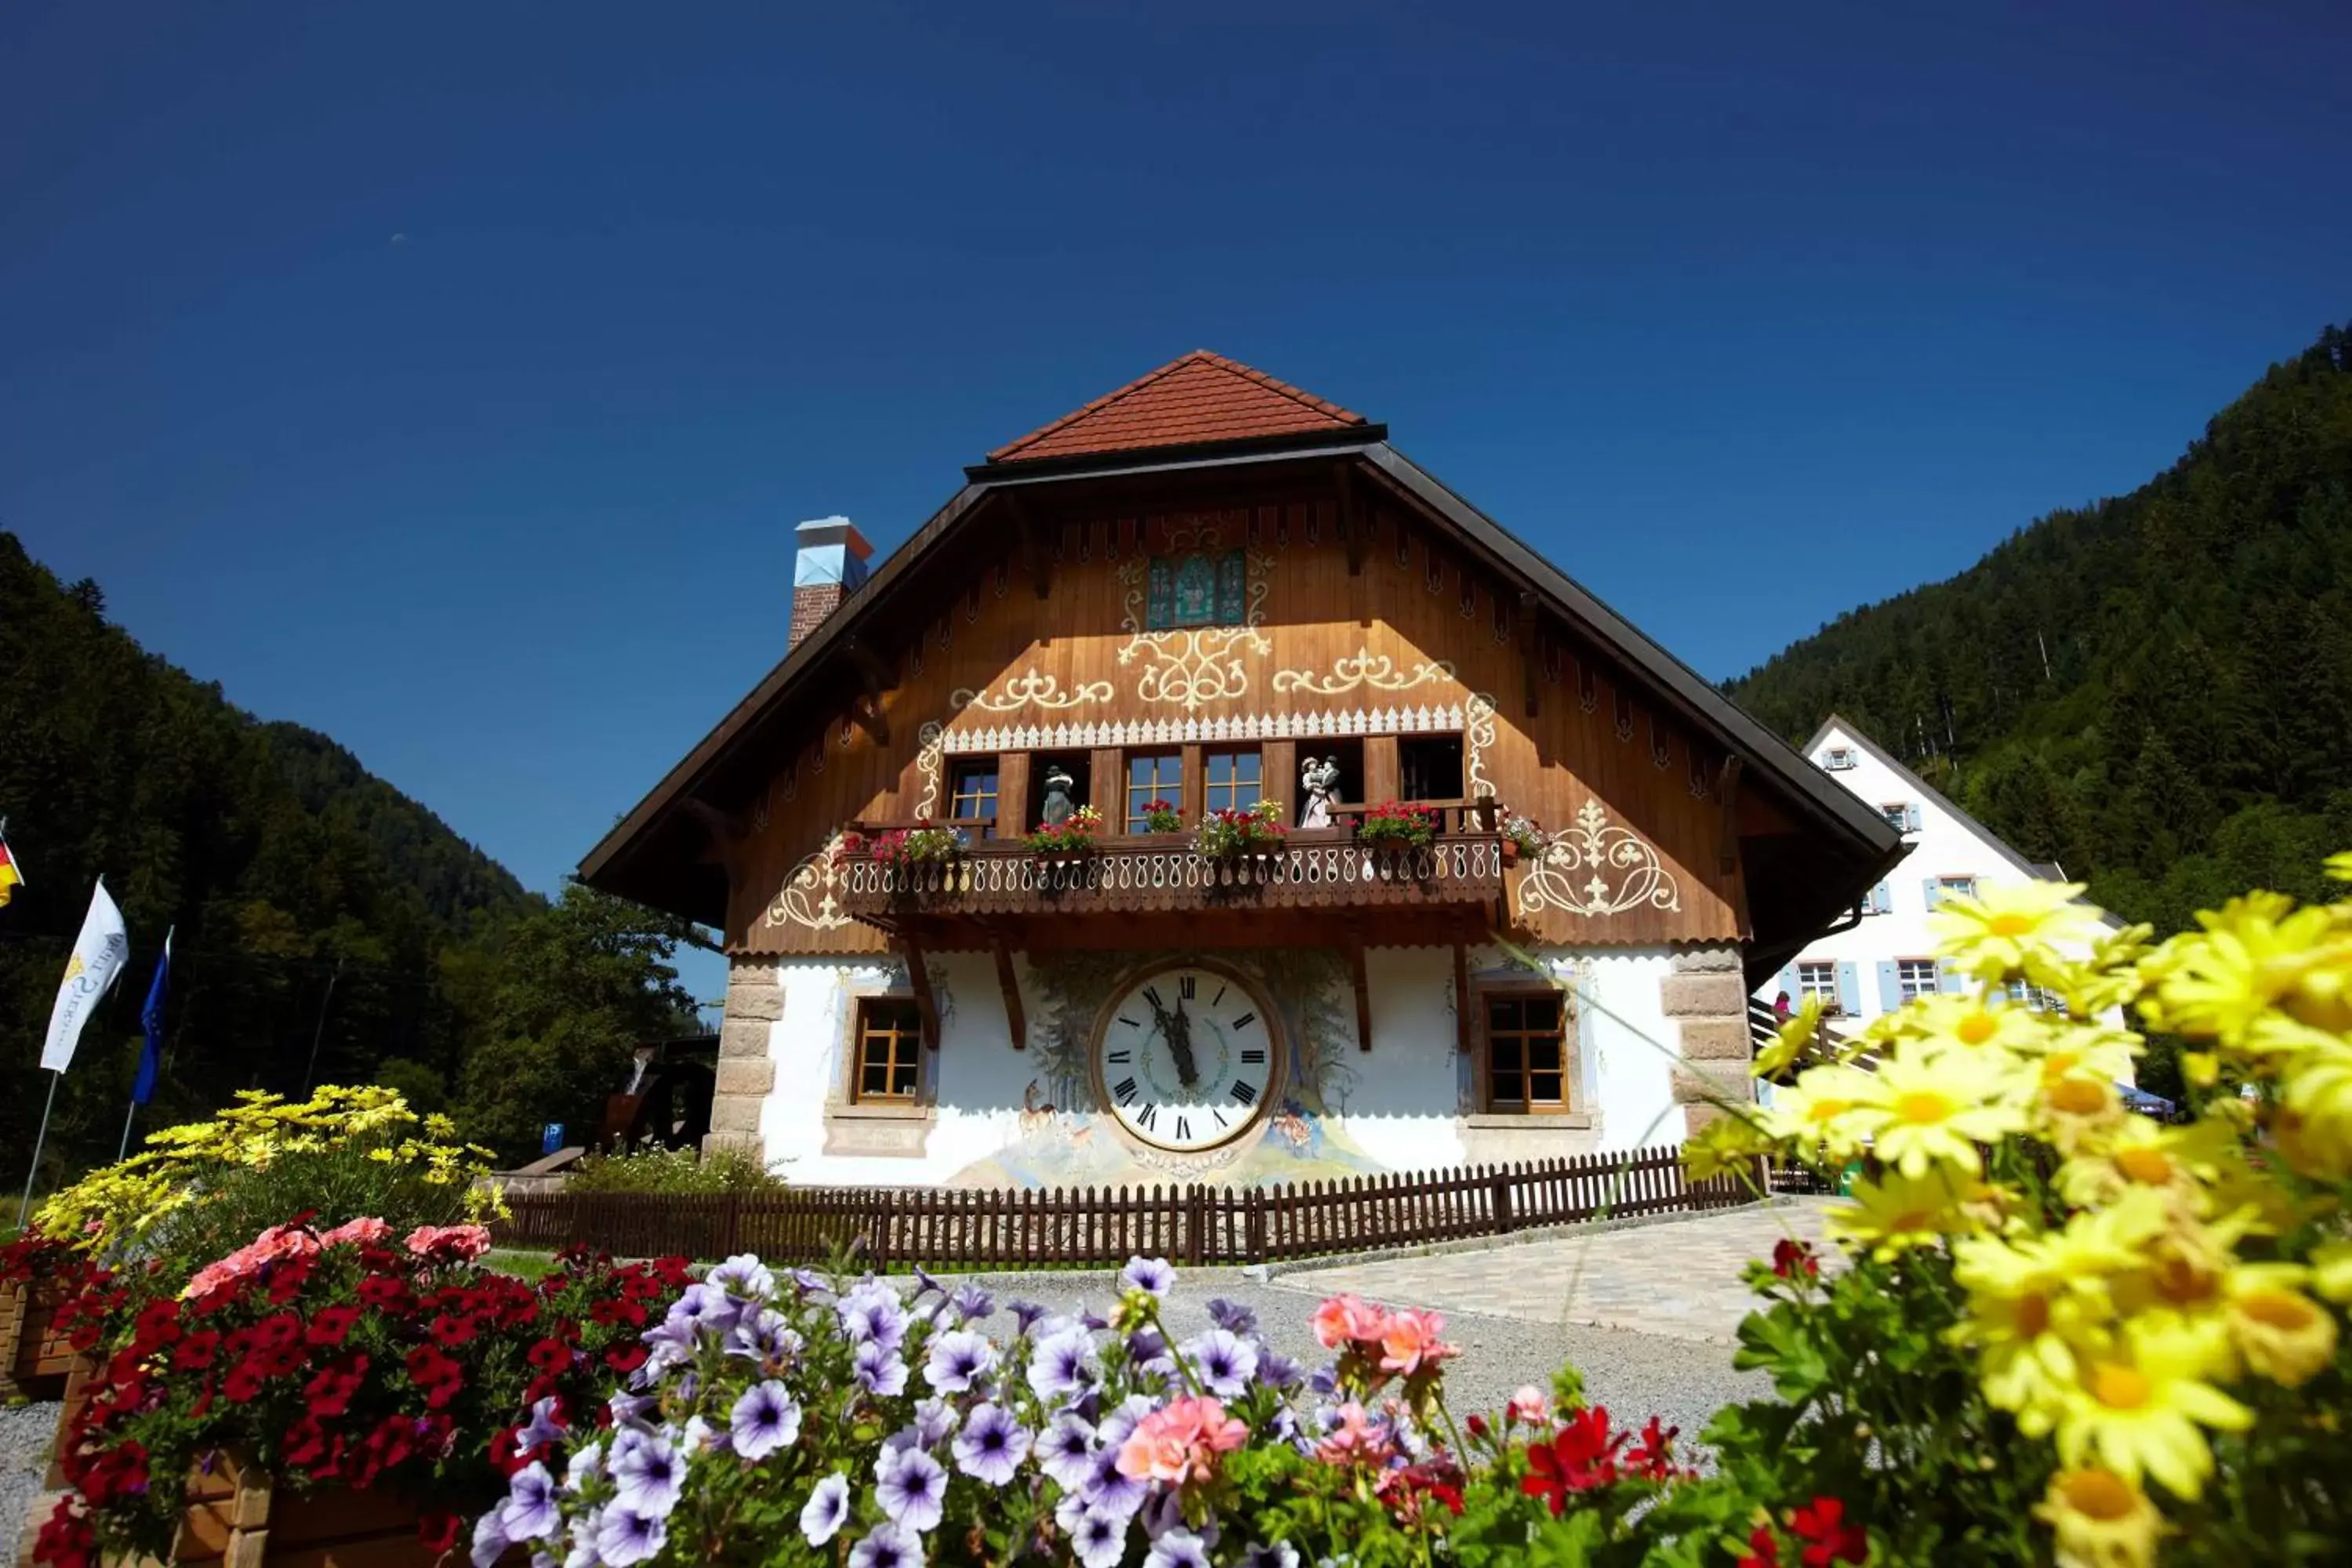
(236, 1516)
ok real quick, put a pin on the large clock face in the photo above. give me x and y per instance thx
(1187, 1058)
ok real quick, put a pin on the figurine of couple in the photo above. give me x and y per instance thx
(1318, 787)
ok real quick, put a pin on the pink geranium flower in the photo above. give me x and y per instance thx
(1179, 1444)
(1342, 1321)
(1356, 1438)
(1410, 1345)
(279, 1241)
(362, 1232)
(448, 1241)
(1530, 1404)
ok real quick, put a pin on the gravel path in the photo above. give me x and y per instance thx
(1633, 1375)
(25, 1433)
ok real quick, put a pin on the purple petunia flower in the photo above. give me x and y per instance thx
(808, 1282)
(587, 1464)
(624, 1537)
(933, 1422)
(1026, 1313)
(649, 1475)
(972, 1303)
(991, 1445)
(1178, 1549)
(1115, 1429)
(1281, 1554)
(888, 1546)
(927, 1283)
(1279, 1371)
(1107, 1490)
(671, 1343)
(630, 1410)
(1150, 1274)
(490, 1541)
(1064, 1366)
(878, 1369)
(1067, 1452)
(745, 1277)
(1232, 1317)
(873, 1312)
(530, 1512)
(1091, 1318)
(582, 1553)
(1099, 1540)
(543, 1428)
(1326, 1382)
(913, 1488)
(826, 1510)
(1223, 1360)
(958, 1358)
(1148, 1349)
(764, 1420)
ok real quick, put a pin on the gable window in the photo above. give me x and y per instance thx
(1153, 778)
(890, 1051)
(1838, 760)
(1916, 977)
(1429, 767)
(1819, 980)
(972, 798)
(1966, 886)
(1195, 590)
(1527, 1054)
(1230, 781)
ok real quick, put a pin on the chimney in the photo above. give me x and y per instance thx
(829, 567)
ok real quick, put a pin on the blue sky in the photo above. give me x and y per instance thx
(450, 378)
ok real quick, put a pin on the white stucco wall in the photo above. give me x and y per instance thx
(1400, 1109)
(1630, 1047)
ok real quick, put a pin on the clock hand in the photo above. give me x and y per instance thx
(1179, 1046)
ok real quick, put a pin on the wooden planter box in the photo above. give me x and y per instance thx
(34, 1356)
(236, 1520)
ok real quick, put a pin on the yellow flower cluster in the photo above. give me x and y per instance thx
(2123, 1276)
(180, 1167)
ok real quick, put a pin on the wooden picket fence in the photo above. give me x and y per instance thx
(1003, 1228)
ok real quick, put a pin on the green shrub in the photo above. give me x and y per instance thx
(674, 1170)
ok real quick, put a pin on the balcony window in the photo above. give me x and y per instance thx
(1230, 781)
(972, 795)
(1077, 765)
(1152, 777)
(890, 1051)
(1527, 1054)
(1429, 767)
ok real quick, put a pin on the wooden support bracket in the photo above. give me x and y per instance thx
(1464, 1034)
(926, 1007)
(1015, 1017)
(1037, 550)
(1726, 843)
(1530, 651)
(1355, 532)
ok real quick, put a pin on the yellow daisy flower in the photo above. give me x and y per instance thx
(2137, 1410)
(1791, 1040)
(2282, 1333)
(1896, 1213)
(2076, 1108)
(2101, 1519)
(1819, 1110)
(1974, 1024)
(2331, 1271)
(1925, 1108)
(2138, 1152)
(2009, 927)
(2315, 1088)
(2252, 956)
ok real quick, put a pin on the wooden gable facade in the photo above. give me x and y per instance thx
(1207, 566)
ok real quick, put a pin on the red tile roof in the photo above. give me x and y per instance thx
(1200, 397)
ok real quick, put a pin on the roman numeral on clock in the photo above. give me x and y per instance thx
(1124, 1092)
(1256, 1056)
(1184, 1128)
(1218, 997)
(1147, 1116)
(1129, 1022)
(1244, 1021)
(1191, 986)
(1244, 1092)
(1151, 995)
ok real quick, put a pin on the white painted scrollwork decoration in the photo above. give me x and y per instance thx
(933, 739)
(1363, 668)
(808, 898)
(1598, 868)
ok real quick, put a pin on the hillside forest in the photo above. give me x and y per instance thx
(329, 929)
(2155, 691)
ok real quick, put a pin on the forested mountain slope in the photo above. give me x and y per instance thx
(2155, 690)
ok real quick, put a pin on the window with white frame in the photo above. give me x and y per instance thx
(1838, 760)
(1819, 980)
(1897, 813)
(1966, 886)
(1916, 977)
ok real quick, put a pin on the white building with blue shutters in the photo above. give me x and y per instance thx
(1885, 954)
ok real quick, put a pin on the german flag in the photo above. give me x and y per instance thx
(9, 874)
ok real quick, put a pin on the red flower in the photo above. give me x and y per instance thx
(1763, 1550)
(67, 1541)
(551, 1355)
(618, 1311)
(454, 1329)
(195, 1353)
(437, 1375)
(312, 1448)
(1792, 1257)
(332, 1388)
(158, 1325)
(626, 1357)
(506, 1458)
(437, 1528)
(1579, 1458)
(242, 1383)
(1652, 1457)
(278, 1329)
(386, 1294)
(541, 1387)
(1821, 1524)
(331, 1325)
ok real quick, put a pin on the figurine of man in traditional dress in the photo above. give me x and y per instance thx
(1319, 785)
(1059, 785)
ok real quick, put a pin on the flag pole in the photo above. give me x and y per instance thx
(26, 1207)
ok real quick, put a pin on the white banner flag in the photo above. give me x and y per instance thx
(96, 962)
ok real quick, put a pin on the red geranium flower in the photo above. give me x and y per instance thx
(1821, 1524)
(1763, 1549)
(331, 1325)
(437, 1528)
(1792, 1257)
(1652, 1456)
(1579, 1458)
(195, 1351)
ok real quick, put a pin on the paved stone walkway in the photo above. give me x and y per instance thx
(1679, 1279)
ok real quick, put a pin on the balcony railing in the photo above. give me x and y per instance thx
(1162, 871)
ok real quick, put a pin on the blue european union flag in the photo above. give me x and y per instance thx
(151, 1019)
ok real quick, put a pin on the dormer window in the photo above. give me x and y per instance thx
(1838, 760)
(1196, 590)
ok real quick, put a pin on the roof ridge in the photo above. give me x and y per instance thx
(1232, 367)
